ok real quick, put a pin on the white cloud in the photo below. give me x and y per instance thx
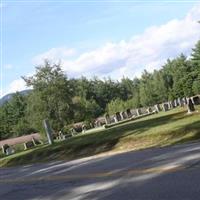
(148, 50)
(14, 86)
(55, 54)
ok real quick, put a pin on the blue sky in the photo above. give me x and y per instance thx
(112, 39)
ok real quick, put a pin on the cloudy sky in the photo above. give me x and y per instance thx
(94, 38)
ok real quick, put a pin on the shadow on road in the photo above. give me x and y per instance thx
(117, 185)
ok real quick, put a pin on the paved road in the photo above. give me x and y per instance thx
(171, 173)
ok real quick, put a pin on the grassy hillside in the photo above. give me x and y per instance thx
(165, 128)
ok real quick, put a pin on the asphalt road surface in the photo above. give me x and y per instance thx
(170, 173)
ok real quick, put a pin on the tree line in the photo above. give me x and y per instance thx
(66, 101)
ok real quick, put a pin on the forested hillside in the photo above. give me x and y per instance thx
(65, 101)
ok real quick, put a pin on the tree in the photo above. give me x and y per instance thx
(13, 117)
(195, 61)
(147, 90)
(52, 96)
(116, 105)
(85, 109)
(160, 89)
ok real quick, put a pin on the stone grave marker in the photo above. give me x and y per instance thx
(196, 100)
(128, 112)
(4, 148)
(28, 145)
(172, 104)
(49, 131)
(149, 110)
(138, 111)
(8, 150)
(107, 119)
(157, 107)
(190, 106)
(84, 128)
(180, 102)
(118, 116)
(115, 119)
(165, 106)
(175, 103)
(184, 99)
(123, 115)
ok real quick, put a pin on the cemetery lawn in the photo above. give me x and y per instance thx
(158, 130)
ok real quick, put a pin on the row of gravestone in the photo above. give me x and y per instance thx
(131, 113)
(8, 149)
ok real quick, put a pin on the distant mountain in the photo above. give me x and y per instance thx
(8, 97)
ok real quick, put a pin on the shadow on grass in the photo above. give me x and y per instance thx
(106, 140)
(193, 129)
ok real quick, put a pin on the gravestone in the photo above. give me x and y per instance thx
(180, 102)
(35, 142)
(165, 106)
(60, 135)
(28, 145)
(190, 106)
(49, 131)
(172, 104)
(92, 125)
(168, 105)
(123, 115)
(8, 150)
(138, 111)
(96, 124)
(83, 128)
(149, 110)
(184, 99)
(128, 112)
(4, 148)
(107, 119)
(157, 107)
(196, 100)
(175, 103)
(133, 112)
(73, 132)
(115, 119)
(118, 116)
(112, 119)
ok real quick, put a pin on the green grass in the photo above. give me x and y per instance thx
(165, 128)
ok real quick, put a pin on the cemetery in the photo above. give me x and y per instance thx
(132, 129)
(132, 114)
(101, 123)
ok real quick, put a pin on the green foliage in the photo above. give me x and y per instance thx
(196, 85)
(65, 101)
(51, 96)
(147, 89)
(195, 61)
(85, 109)
(13, 118)
(116, 105)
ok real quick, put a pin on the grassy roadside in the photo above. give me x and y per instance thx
(165, 128)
